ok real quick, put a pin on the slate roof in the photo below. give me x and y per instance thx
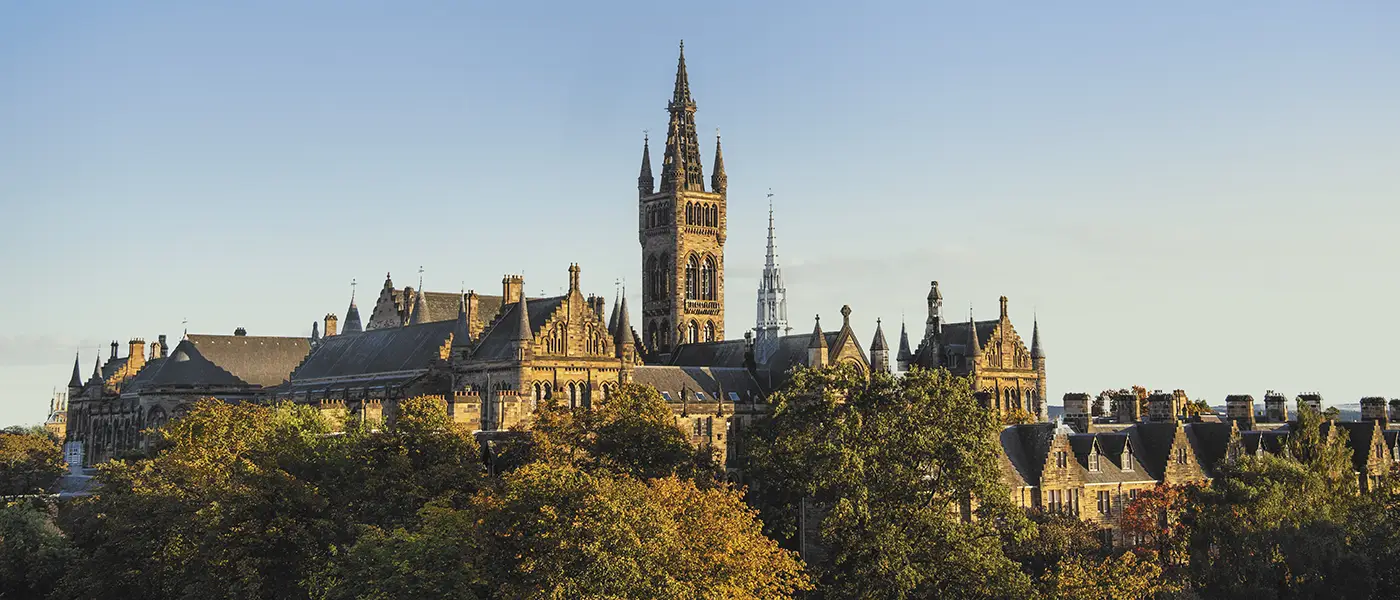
(442, 306)
(955, 334)
(144, 377)
(376, 351)
(710, 380)
(231, 360)
(788, 351)
(497, 339)
(1027, 446)
(1210, 442)
(1152, 443)
(1359, 437)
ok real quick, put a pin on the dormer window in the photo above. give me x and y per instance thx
(1127, 456)
(1094, 460)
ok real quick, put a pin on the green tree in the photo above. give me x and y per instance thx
(553, 531)
(1276, 526)
(250, 501)
(30, 461)
(33, 552)
(902, 475)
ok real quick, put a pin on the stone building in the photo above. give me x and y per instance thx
(681, 227)
(992, 353)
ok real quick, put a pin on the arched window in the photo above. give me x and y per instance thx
(714, 216)
(665, 332)
(707, 279)
(653, 278)
(692, 332)
(709, 331)
(539, 392)
(692, 267)
(573, 395)
(689, 213)
(663, 267)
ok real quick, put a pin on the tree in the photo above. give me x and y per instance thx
(1121, 577)
(250, 501)
(632, 432)
(1018, 416)
(888, 469)
(30, 461)
(33, 552)
(1280, 523)
(550, 530)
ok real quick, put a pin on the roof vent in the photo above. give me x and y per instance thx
(180, 356)
(240, 332)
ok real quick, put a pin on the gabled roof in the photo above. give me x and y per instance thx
(232, 360)
(1027, 446)
(442, 306)
(387, 350)
(1153, 445)
(675, 380)
(1210, 442)
(1360, 436)
(144, 377)
(497, 339)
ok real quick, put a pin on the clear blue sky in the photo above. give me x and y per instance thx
(1197, 195)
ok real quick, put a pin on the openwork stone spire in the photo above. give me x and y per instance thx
(681, 168)
(772, 300)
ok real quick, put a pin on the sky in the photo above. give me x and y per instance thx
(1196, 195)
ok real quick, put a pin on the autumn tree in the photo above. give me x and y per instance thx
(550, 530)
(1117, 577)
(632, 432)
(30, 461)
(899, 479)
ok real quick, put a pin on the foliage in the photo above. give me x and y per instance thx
(1053, 539)
(1121, 577)
(1018, 416)
(247, 501)
(33, 552)
(553, 531)
(1098, 408)
(632, 432)
(1196, 407)
(30, 461)
(887, 465)
(1157, 519)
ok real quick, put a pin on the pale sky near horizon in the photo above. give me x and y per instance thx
(1196, 195)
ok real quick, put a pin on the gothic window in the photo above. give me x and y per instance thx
(707, 279)
(573, 395)
(692, 332)
(665, 332)
(654, 278)
(663, 282)
(709, 331)
(689, 213)
(691, 268)
(548, 391)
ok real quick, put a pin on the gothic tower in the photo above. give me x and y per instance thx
(772, 301)
(681, 229)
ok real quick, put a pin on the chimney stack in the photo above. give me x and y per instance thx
(331, 324)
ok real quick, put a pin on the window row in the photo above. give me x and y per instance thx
(701, 277)
(705, 215)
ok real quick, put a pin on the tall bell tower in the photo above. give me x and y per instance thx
(681, 229)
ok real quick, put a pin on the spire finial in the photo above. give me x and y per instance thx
(420, 278)
(352, 290)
